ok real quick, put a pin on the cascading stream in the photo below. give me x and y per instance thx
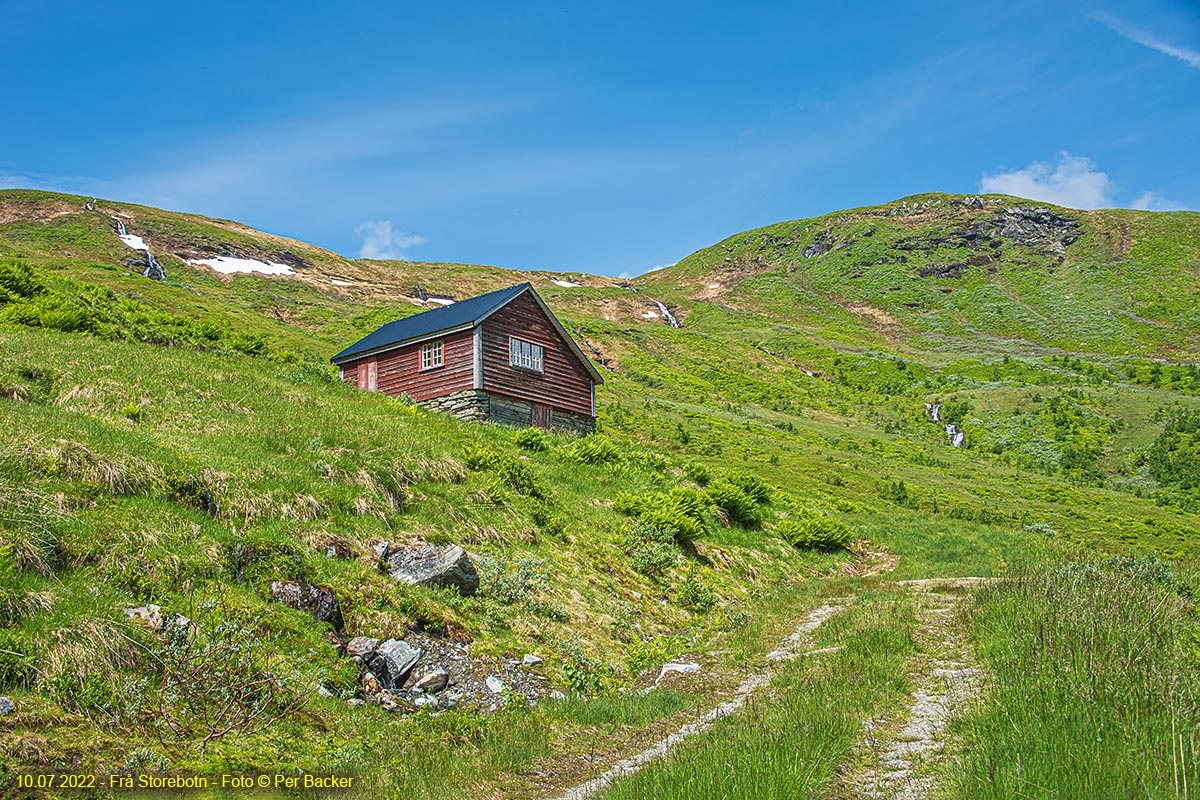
(154, 270)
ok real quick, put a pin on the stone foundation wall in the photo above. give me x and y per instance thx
(479, 406)
(470, 405)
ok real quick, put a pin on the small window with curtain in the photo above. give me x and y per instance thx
(431, 355)
(525, 355)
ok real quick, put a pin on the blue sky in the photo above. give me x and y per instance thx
(603, 137)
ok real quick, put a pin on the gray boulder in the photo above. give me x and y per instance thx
(7, 706)
(434, 565)
(320, 601)
(393, 662)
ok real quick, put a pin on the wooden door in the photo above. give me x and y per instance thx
(542, 416)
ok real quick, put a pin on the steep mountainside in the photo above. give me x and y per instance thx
(943, 271)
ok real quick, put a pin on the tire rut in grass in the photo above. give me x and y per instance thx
(791, 647)
(903, 756)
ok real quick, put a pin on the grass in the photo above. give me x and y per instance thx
(1095, 684)
(791, 742)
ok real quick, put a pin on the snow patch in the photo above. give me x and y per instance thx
(714, 286)
(442, 301)
(133, 241)
(564, 284)
(650, 315)
(336, 282)
(229, 264)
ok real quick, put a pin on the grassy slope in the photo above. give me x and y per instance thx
(113, 437)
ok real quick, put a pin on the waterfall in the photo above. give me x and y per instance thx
(674, 323)
(154, 270)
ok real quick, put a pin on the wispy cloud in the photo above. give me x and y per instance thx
(1071, 181)
(1153, 201)
(381, 241)
(1146, 39)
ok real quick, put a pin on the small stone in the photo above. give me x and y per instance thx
(362, 646)
(557, 695)
(530, 660)
(677, 668)
(355, 702)
(148, 615)
(7, 706)
(433, 681)
(320, 601)
(426, 701)
(321, 690)
(494, 684)
(381, 550)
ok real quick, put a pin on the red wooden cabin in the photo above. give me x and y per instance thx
(501, 356)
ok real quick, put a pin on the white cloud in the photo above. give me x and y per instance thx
(1153, 201)
(1138, 36)
(380, 241)
(1071, 181)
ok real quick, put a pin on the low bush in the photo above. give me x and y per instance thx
(683, 510)
(814, 531)
(755, 487)
(740, 506)
(531, 439)
(593, 449)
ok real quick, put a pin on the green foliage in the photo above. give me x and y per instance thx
(741, 507)
(265, 554)
(1174, 457)
(513, 581)
(17, 281)
(684, 511)
(593, 449)
(696, 594)
(652, 550)
(897, 492)
(514, 472)
(755, 487)
(531, 439)
(814, 531)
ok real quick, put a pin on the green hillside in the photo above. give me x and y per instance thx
(184, 443)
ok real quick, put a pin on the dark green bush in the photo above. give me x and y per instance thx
(593, 449)
(682, 510)
(755, 487)
(740, 506)
(814, 531)
(531, 439)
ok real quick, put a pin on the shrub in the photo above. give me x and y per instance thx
(594, 449)
(514, 581)
(514, 472)
(531, 439)
(695, 594)
(814, 531)
(740, 506)
(697, 472)
(755, 487)
(1044, 528)
(682, 510)
(653, 550)
(17, 281)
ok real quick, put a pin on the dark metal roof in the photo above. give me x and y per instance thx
(435, 320)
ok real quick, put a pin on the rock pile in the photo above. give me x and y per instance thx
(423, 672)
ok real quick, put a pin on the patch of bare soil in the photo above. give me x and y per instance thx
(870, 559)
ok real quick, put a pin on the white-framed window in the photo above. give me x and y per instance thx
(525, 355)
(431, 355)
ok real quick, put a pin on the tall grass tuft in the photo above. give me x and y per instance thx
(1096, 684)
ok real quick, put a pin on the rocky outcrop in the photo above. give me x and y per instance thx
(432, 565)
(320, 601)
